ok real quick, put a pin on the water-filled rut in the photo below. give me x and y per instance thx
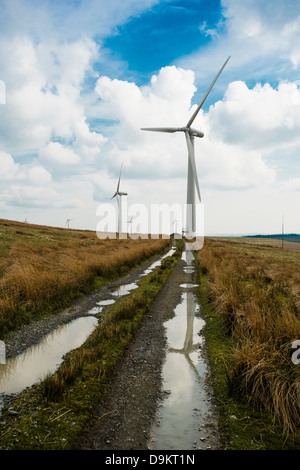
(184, 416)
(44, 358)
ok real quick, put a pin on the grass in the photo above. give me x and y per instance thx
(251, 299)
(43, 268)
(52, 414)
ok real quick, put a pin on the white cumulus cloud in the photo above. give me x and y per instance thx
(55, 154)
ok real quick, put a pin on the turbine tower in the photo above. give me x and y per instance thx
(192, 179)
(119, 195)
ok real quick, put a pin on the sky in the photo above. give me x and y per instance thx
(79, 78)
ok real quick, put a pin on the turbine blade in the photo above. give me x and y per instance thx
(119, 178)
(207, 93)
(192, 161)
(161, 129)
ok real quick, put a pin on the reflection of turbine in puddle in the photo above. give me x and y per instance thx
(188, 346)
(189, 257)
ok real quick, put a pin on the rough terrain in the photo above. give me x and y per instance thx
(32, 333)
(122, 420)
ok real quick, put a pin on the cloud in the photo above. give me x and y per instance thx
(33, 173)
(55, 154)
(67, 20)
(225, 166)
(28, 195)
(262, 118)
(262, 38)
(8, 168)
(37, 175)
(275, 26)
(2, 92)
(44, 86)
(292, 184)
(211, 32)
(166, 101)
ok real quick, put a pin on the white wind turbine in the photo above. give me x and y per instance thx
(192, 181)
(68, 223)
(119, 195)
(175, 225)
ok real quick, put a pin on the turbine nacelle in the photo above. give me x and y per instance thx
(119, 194)
(193, 132)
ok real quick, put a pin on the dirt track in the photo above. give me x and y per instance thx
(123, 418)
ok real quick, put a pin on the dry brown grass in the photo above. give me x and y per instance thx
(39, 276)
(257, 295)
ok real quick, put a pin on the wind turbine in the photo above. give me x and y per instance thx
(175, 224)
(68, 223)
(129, 221)
(192, 180)
(119, 195)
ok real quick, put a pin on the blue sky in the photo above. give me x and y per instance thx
(82, 77)
(163, 34)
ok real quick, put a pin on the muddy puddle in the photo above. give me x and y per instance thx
(124, 289)
(184, 416)
(36, 362)
(100, 306)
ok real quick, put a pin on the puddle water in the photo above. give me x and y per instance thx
(185, 410)
(103, 303)
(189, 270)
(158, 262)
(124, 289)
(39, 360)
(188, 285)
(100, 305)
(183, 372)
(188, 257)
(170, 253)
(95, 310)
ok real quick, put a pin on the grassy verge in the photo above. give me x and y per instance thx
(252, 317)
(51, 415)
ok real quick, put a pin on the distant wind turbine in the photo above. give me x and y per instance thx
(68, 223)
(119, 195)
(129, 221)
(192, 181)
(175, 223)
